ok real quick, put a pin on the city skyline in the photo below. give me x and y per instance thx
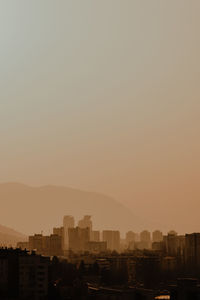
(57, 199)
(99, 150)
(80, 236)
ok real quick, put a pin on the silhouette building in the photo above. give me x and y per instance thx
(174, 244)
(85, 222)
(130, 240)
(157, 236)
(95, 235)
(33, 276)
(112, 238)
(192, 249)
(60, 232)
(78, 239)
(23, 276)
(68, 222)
(145, 240)
(36, 243)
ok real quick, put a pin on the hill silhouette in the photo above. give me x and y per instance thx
(35, 209)
(10, 237)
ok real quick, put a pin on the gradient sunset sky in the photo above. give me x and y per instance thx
(103, 96)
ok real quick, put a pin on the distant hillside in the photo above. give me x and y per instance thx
(33, 209)
(10, 237)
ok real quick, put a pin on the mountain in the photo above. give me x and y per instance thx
(10, 237)
(35, 209)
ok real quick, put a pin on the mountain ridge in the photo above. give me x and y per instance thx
(35, 209)
(10, 237)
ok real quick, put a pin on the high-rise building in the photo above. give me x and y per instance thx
(60, 232)
(68, 222)
(192, 249)
(33, 276)
(85, 222)
(145, 236)
(78, 239)
(157, 240)
(130, 240)
(23, 275)
(130, 236)
(112, 238)
(55, 245)
(174, 244)
(145, 240)
(95, 236)
(36, 243)
(157, 236)
(9, 273)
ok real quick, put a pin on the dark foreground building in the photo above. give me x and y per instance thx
(23, 276)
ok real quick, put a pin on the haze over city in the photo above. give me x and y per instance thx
(103, 96)
(99, 150)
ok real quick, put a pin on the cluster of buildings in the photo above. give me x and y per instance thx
(185, 247)
(28, 276)
(104, 259)
(82, 238)
(73, 238)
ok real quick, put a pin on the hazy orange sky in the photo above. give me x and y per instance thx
(103, 96)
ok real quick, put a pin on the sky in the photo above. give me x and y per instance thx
(104, 96)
